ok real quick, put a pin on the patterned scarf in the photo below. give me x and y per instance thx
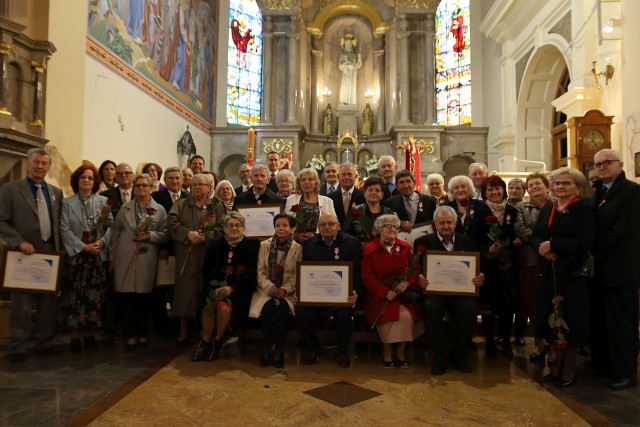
(497, 209)
(276, 246)
(233, 243)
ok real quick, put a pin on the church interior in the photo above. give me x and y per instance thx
(521, 86)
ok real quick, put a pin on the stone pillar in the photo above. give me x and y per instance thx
(267, 70)
(379, 71)
(292, 70)
(5, 49)
(430, 96)
(404, 97)
(316, 72)
(38, 70)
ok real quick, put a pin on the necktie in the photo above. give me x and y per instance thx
(273, 175)
(43, 214)
(125, 196)
(174, 197)
(331, 189)
(346, 201)
(412, 209)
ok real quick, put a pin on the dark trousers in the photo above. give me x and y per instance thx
(273, 320)
(159, 315)
(134, 309)
(465, 309)
(20, 320)
(342, 318)
(621, 319)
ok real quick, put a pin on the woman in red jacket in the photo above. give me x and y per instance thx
(387, 275)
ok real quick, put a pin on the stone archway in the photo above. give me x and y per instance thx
(454, 166)
(535, 111)
(229, 168)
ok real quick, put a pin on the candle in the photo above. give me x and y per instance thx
(251, 135)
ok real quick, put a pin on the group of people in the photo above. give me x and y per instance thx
(529, 251)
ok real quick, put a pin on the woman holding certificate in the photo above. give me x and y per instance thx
(563, 236)
(307, 205)
(387, 274)
(85, 228)
(272, 299)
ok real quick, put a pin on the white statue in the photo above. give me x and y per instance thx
(350, 62)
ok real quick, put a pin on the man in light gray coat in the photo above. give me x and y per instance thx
(29, 221)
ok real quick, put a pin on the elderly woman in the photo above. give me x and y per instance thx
(85, 228)
(193, 223)
(229, 276)
(435, 185)
(286, 181)
(155, 172)
(516, 191)
(107, 175)
(472, 213)
(387, 276)
(563, 235)
(140, 227)
(360, 222)
(499, 256)
(272, 300)
(307, 205)
(225, 193)
(528, 212)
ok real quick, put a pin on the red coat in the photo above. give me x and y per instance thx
(379, 270)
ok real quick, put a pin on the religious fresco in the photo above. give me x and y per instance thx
(165, 47)
(244, 54)
(453, 63)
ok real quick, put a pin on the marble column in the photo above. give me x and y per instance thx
(404, 97)
(316, 72)
(267, 70)
(5, 49)
(429, 67)
(292, 81)
(379, 72)
(38, 70)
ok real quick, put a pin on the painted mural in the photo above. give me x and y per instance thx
(165, 47)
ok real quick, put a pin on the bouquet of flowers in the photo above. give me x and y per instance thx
(359, 225)
(317, 163)
(214, 297)
(371, 167)
(103, 222)
(495, 235)
(146, 224)
(301, 217)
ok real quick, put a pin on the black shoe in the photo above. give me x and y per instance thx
(567, 383)
(507, 351)
(344, 361)
(438, 369)
(462, 366)
(550, 378)
(404, 364)
(311, 358)
(278, 359)
(536, 357)
(265, 359)
(520, 342)
(90, 343)
(202, 351)
(17, 357)
(143, 344)
(622, 383)
(389, 365)
(490, 350)
(75, 346)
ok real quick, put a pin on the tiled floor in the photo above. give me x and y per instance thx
(104, 385)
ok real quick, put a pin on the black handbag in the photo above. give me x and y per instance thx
(584, 267)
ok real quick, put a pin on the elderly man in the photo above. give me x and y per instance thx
(464, 307)
(617, 269)
(273, 163)
(478, 172)
(258, 194)
(387, 169)
(187, 176)
(347, 195)
(196, 164)
(410, 206)
(331, 179)
(29, 221)
(244, 173)
(330, 244)
(123, 193)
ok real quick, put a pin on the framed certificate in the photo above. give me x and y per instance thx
(418, 230)
(324, 283)
(259, 219)
(39, 272)
(451, 273)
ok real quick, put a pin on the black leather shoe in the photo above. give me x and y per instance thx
(311, 358)
(17, 357)
(438, 369)
(278, 359)
(462, 367)
(567, 383)
(490, 350)
(344, 361)
(265, 359)
(507, 350)
(520, 342)
(536, 357)
(622, 383)
(202, 351)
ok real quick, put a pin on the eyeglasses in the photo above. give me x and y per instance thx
(232, 226)
(327, 224)
(142, 185)
(124, 173)
(563, 183)
(390, 226)
(605, 163)
(86, 178)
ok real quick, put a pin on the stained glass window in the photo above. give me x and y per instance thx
(244, 73)
(453, 63)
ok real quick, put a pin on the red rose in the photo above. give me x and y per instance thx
(106, 209)
(111, 202)
(229, 269)
(356, 213)
(150, 211)
(492, 219)
(296, 208)
(279, 268)
(422, 249)
(464, 202)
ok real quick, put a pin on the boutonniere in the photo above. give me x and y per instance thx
(353, 205)
(336, 253)
(508, 217)
(229, 256)
(53, 198)
(564, 211)
(259, 202)
(420, 207)
(150, 212)
(397, 250)
(471, 212)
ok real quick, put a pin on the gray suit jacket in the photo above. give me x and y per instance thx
(19, 215)
(71, 221)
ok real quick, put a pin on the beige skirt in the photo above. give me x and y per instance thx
(402, 330)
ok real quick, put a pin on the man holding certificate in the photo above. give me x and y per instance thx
(330, 244)
(29, 221)
(465, 307)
